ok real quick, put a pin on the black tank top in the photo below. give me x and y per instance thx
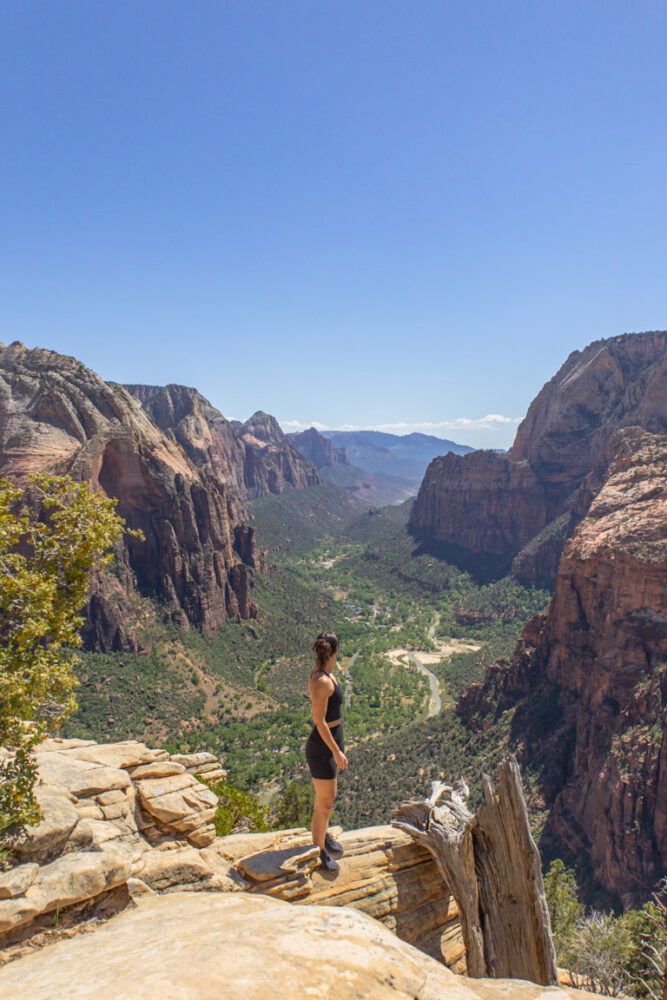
(334, 703)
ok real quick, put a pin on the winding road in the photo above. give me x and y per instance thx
(348, 680)
(435, 701)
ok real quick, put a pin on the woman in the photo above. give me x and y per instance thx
(324, 746)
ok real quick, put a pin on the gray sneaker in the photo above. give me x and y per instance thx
(327, 862)
(332, 845)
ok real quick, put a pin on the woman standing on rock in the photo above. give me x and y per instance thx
(324, 746)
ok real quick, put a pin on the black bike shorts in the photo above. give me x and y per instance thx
(320, 758)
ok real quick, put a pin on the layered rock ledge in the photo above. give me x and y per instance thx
(123, 821)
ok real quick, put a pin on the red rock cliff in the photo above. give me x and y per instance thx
(255, 458)
(482, 509)
(588, 682)
(57, 415)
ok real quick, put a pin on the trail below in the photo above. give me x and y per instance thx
(435, 701)
(348, 680)
(420, 657)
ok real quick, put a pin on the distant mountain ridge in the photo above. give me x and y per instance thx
(368, 487)
(406, 456)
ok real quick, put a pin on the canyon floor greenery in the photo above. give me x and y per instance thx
(243, 692)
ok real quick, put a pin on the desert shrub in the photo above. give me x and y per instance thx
(238, 811)
(598, 951)
(647, 963)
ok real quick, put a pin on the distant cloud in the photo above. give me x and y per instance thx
(439, 428)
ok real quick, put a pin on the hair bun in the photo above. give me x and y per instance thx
(324, 647)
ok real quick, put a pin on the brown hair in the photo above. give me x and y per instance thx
(325, 645)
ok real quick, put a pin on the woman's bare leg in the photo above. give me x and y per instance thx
(325, 793)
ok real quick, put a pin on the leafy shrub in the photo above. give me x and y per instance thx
(52, 536)
(238, 811)
(565, 910)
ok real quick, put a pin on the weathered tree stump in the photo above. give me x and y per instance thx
(492, 866)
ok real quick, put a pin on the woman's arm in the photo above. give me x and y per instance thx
(319, 696)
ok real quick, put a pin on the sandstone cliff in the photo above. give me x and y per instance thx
(272, 462)
(121, 820)
(198, 552)
(587, 686)
(492, 513)
(123, 889)
(255, 458)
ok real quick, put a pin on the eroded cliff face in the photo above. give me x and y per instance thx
(208, 438)
(271, 461)
(477, 510)
(254, 457)
(493, 513)
(588, 681)
(57, 415)
(317, 449)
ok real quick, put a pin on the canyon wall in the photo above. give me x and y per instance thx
(198, 552)
(318, 449)
(254, 457)
(587, 686)
(494, 513)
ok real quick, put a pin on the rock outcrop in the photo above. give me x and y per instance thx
(256, 458)
(491, 513)
(106, 808)
(122, 821)
(205, 946)
(383, 874)
(198, 552)
(587, 684)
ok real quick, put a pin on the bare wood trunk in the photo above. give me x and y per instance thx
(517, 928)
(492, 866)
(446, 832)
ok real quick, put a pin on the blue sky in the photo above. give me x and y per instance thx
(367, 214)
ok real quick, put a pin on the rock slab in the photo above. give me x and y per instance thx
(203, 946)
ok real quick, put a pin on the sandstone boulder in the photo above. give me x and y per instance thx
(50, 834)
(205, 946)
(126, 754)
(179, 867)
(158, 769)
(79, 777)
(202, 763)
(73, 877)
(17, 881)
(181, 804)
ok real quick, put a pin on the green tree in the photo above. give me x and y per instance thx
(565, 910)
(52, 535)
(295, 807)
